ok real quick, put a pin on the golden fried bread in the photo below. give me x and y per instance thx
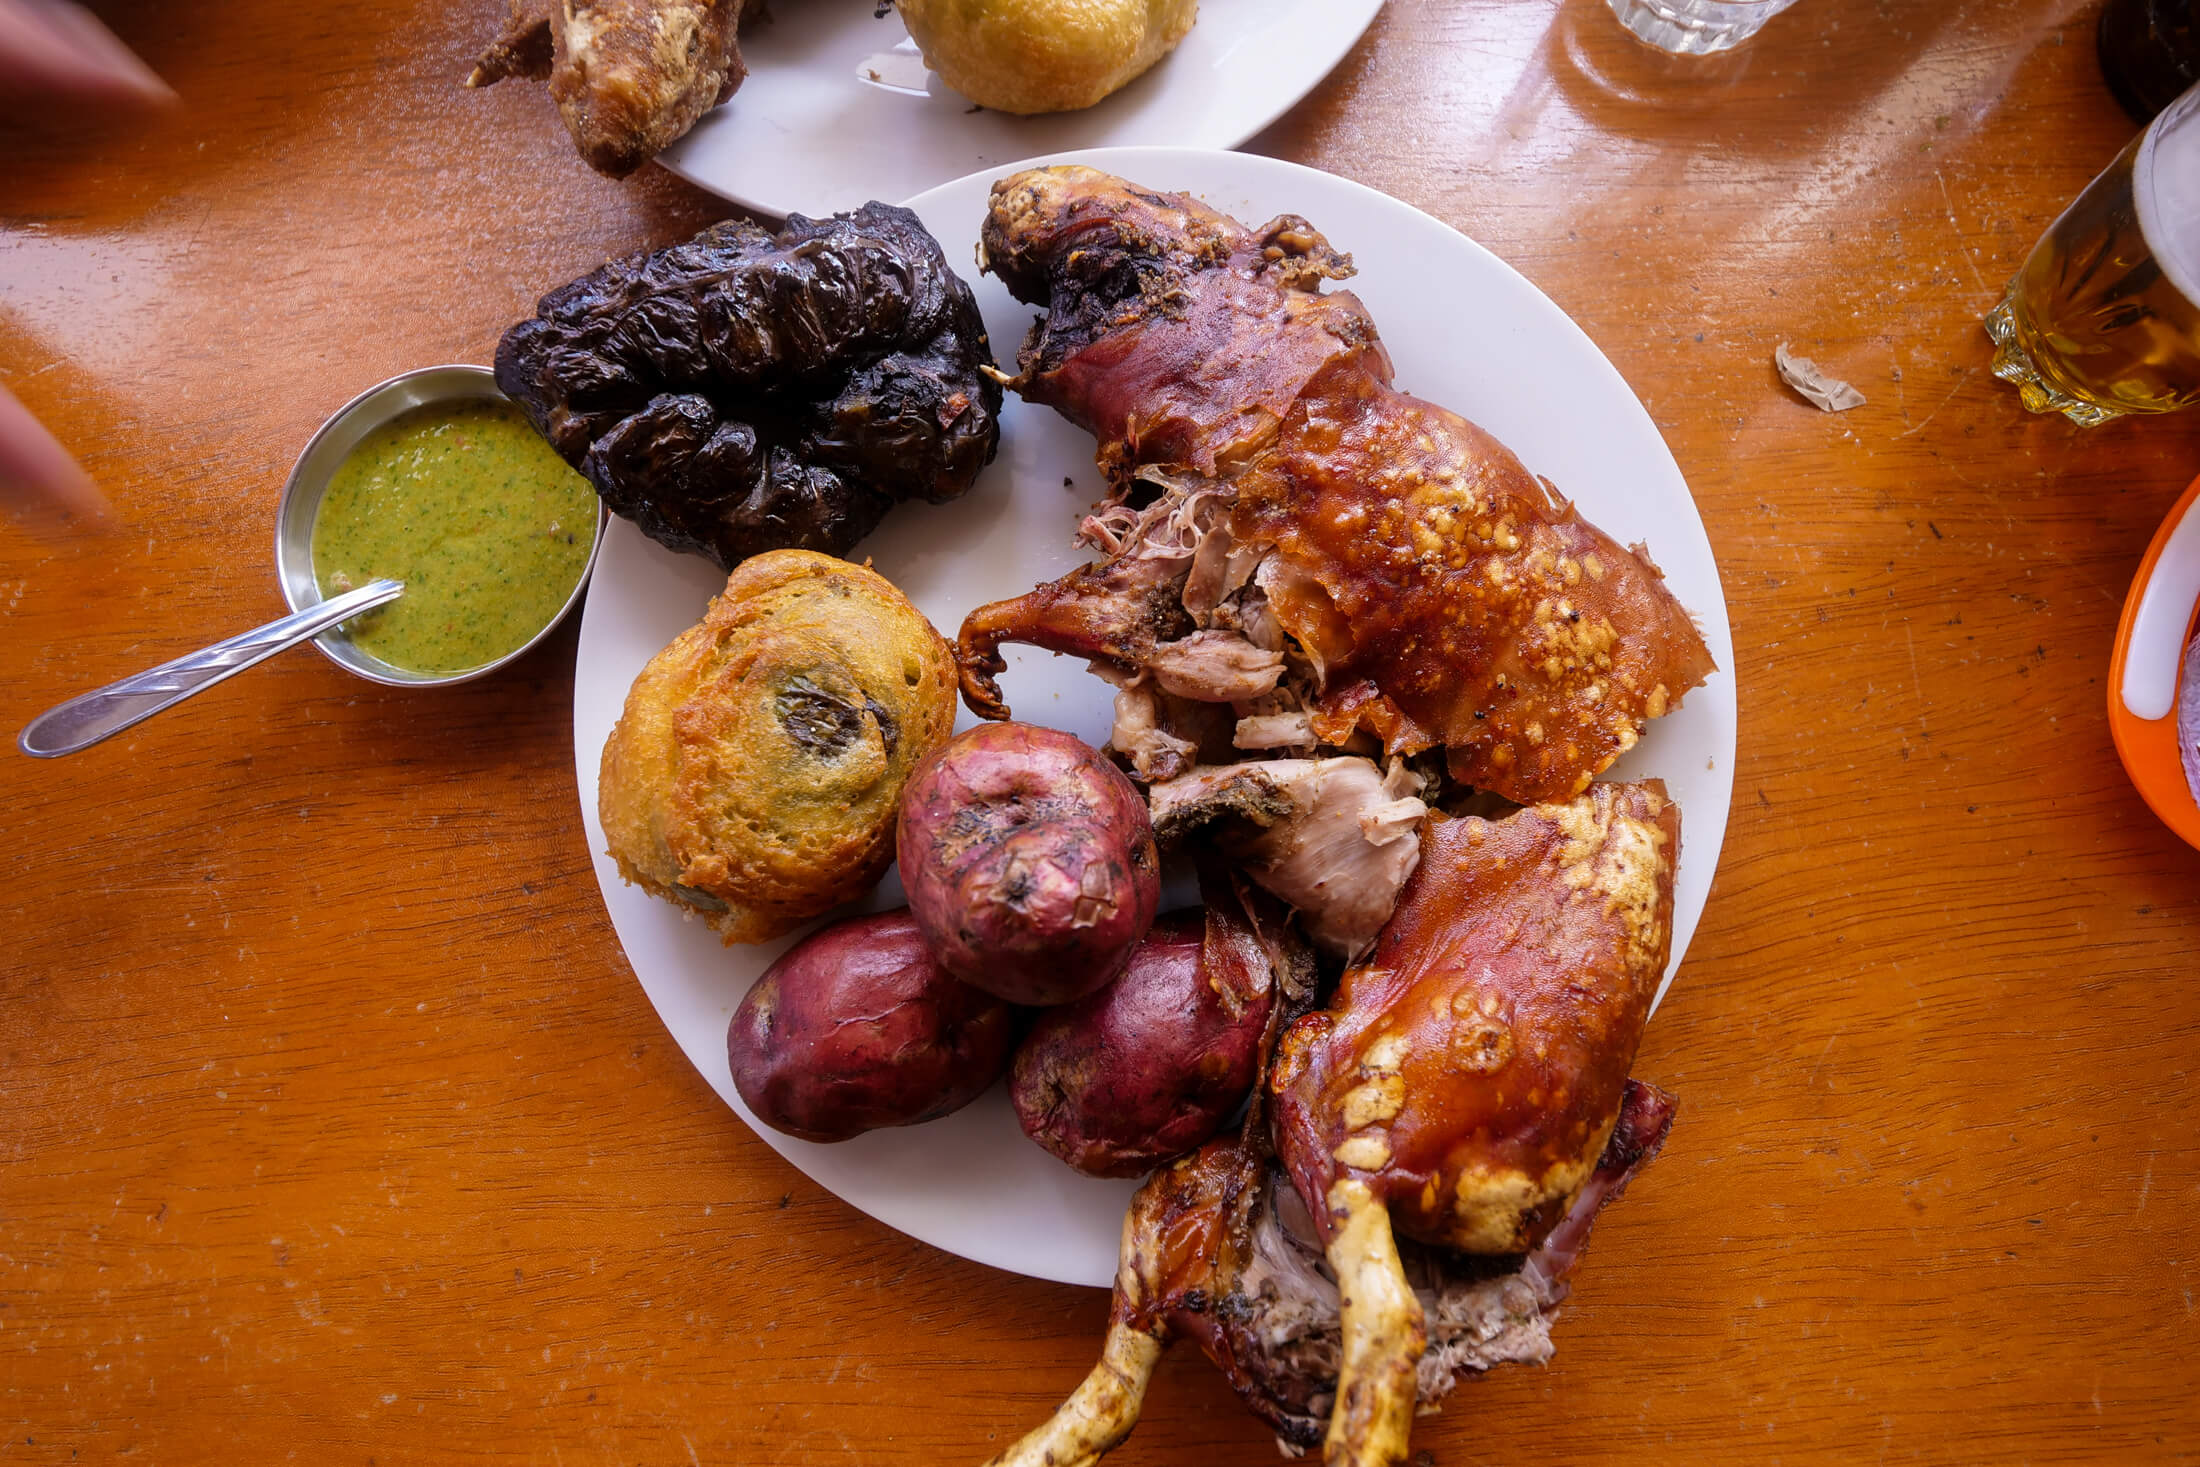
(756, 770)
(1043, 55)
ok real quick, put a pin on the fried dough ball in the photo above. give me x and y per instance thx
(1031, 56)
(755, 773)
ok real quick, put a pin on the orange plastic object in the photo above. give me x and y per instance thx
(2150, 643)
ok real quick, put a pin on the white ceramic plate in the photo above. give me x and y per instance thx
(1465, 331)
(807, 131)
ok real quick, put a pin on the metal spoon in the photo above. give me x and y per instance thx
(101, 714)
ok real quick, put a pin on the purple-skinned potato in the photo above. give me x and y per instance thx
(858, 1027)
(1156, 1063)
(1029, 862)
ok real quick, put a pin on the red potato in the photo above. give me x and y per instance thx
(857, 1027)
(1029, 862)
(1154, 1064)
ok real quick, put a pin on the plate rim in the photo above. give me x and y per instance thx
(1128, 161)
(673, 158)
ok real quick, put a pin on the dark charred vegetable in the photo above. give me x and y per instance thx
(745, 392)
(1029, 862)
(857, 1027)
(1155, 1063)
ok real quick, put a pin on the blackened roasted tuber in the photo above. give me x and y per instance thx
(745, 391)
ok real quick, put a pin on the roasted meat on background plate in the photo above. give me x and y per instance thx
(1291, 535)
(629, 76)
(1448, 1127)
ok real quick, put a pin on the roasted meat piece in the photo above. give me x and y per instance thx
(745, 391)
(629, 76)
(1336, 838)
(1465, 1079)
(1469, 1078)
(1219, 1248)
(1406, 576)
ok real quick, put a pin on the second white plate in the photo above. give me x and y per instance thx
(1466, 331)
(807, 132)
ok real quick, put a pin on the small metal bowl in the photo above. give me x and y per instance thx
(301, 504)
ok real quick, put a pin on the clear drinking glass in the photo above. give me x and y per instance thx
(2104, 318)
(1695, 27)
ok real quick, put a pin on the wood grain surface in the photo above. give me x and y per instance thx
(337, 1129)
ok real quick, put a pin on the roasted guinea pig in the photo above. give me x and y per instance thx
(1465, 1079)
(755, 773)
(1029, 56)
(1467, 1082)
(629, 76)
(1219, 1249)
(744, 391)
(1290, 534)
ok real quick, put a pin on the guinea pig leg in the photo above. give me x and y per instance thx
(1104, 1408)
(1184, 1243)
(1116, 612)
(1099, 1413)
(1384, 1335)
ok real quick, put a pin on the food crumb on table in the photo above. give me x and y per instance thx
(1817, 387)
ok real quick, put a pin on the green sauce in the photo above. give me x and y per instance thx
(466, 504)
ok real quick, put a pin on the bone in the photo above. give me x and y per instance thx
(1099, 1413)
(1384, 1334)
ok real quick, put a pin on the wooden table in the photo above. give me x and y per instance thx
(339, 1130)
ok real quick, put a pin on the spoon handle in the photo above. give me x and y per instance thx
(104, 712)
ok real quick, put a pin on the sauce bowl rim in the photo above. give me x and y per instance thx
(300, 507)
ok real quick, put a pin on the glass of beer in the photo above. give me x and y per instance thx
(2104, 318)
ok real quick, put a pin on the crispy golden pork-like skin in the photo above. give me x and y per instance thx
(1468, 1074)
(1442, 594)
(1471, 1068)
(1029, 56)
(755, 773)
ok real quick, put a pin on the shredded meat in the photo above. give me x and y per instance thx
(1336, 838)
(1215, 667)
(1138, 736)
(1293, 730)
